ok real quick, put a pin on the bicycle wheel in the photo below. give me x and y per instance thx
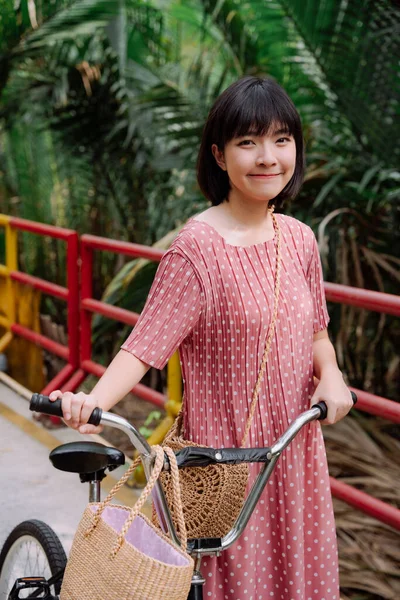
(32, 549)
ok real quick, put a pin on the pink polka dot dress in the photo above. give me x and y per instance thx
(213, 301)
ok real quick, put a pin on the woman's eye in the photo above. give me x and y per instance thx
(245, 142)
(283, 140)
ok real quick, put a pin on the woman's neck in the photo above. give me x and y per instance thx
(249, 215)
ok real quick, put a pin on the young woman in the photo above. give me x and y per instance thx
(213, 298)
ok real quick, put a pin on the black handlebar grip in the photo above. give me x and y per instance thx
(324, 409)
(43, 404)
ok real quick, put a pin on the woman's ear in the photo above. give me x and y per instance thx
(219, 156)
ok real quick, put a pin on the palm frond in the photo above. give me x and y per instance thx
(81, 18)
(356, 45)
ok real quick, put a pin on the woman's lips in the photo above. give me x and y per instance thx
(262, 176)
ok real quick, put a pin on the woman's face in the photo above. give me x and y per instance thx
(258, 167)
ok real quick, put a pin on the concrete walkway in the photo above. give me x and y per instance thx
(30, 487)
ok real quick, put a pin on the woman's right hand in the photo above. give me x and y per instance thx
(77, 409)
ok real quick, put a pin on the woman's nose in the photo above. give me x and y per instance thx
(266, 156)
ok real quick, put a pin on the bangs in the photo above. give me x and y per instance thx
(258, 112)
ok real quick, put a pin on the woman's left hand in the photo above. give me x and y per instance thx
(336, 395)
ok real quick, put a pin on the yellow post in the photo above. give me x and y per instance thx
(172, 408)
(174, 378)
(19, 303)
(11, 265)
(174, 403)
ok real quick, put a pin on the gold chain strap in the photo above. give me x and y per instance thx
(271, 331)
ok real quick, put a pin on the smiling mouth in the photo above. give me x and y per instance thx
(263, 176)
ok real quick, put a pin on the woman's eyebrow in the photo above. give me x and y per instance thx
(281, 131)
(254, 133)
(248, 134)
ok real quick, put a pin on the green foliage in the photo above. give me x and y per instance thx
(153, 420)
(357, 47)
(102, 104)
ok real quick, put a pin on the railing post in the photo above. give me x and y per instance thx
(70, 294)
(174, 380)
(5, 270)
(86, 293)
(73, 298)
(12, 265)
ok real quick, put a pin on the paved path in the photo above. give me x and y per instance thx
(29, 486)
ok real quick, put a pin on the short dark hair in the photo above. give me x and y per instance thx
(250, 104)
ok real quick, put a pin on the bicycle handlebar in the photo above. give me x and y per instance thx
(43, 404)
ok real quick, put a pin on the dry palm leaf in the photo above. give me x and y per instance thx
(362, 454)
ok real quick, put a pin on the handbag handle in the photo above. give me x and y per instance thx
(157, 468)
(176, 487)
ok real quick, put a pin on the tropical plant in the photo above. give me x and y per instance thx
(116, 116)
(101, 108)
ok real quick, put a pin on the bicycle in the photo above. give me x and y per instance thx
(91, 460)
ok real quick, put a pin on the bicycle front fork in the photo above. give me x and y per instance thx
(196, 589)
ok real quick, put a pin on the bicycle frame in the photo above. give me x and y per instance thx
(214, 547)
(205, 547)
(200, 547)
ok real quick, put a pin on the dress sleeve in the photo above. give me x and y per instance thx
(316, 286)
(172, 309)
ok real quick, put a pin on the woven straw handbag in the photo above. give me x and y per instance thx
(213, 496)
(118, 554)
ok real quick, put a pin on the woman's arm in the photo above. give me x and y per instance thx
(331, 388)
(123, 373)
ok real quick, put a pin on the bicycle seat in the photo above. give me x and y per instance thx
(86, 457)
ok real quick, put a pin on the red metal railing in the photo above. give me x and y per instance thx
(368, 299)
(374, 301)
(378, 509)
(334, 293)
(70, 294)
(375, 405)
(88, 306)
(80, 316)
